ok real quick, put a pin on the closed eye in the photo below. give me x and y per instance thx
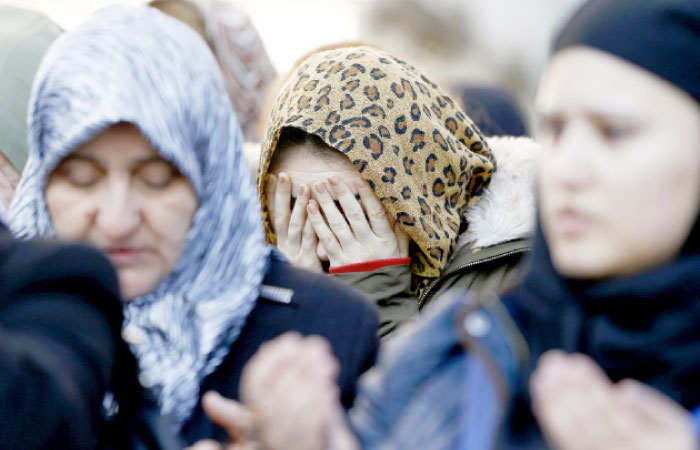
(79, 171)
(156, 173)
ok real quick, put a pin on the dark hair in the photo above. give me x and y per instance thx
(291, 137)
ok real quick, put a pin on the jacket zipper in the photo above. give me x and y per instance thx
(421, 300)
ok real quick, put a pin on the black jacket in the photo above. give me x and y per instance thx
(60, 319)
(321, 306)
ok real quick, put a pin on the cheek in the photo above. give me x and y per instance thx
(657, 187)
(654, 216)
(71, 210)
(170, 216)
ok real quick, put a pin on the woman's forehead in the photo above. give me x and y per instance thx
(309, 157)
(590, 81)
(121, 142)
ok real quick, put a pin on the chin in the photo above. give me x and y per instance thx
(134, 286)
(571, 262)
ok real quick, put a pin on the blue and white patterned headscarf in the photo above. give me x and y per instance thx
(134, 64)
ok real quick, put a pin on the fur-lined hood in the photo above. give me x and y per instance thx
(507, 210)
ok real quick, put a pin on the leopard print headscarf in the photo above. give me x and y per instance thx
(422, 156)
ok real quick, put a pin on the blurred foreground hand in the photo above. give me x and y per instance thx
(290, 401)
(579, 408)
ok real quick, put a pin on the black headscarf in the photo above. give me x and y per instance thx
(644, 326)
(660, 36)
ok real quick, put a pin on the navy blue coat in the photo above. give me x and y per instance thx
(320, 305)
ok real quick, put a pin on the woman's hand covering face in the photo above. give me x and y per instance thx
(579, 408)
(361, 231)
(295, 236)
(333, 225)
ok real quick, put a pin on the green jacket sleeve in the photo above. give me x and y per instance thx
(390, 289)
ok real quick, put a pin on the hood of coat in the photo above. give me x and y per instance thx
(507, 210)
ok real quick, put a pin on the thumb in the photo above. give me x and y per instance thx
(236, 419)
(650, 403)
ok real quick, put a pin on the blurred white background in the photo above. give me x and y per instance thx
(481, 41)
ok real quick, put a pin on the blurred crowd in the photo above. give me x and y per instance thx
(199, 252)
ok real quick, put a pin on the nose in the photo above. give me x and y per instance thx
(573, 166)
(118, 215)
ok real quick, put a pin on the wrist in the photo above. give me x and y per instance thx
(369, 266)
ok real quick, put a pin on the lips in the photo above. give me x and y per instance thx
(125, 256)
(572, 223)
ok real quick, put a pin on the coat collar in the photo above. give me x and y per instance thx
(507, 210)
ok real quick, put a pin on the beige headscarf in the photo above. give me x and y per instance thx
(423, 157)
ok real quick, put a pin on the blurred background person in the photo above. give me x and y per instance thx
(24, 37)
(617, 273)
(495, 110)
(239, 50)
(146, 165)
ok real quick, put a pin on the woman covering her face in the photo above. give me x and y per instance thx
(135, 149)
(599, 345)
(370, 170)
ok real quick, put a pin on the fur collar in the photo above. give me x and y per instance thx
(507, 211)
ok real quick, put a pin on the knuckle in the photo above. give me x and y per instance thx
(356, 216)
(336, 223)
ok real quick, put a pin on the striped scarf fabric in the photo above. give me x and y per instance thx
(134, 64)
(245, 65)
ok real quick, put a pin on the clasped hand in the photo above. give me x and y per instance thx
(579, 408)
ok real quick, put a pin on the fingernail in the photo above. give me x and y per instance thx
(312, 207)
(320, 188)
(359, 184)
(335, 181)
(284, 178)
(303, 190)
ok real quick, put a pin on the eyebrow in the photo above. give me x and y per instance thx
(598, 115)
(151, 159)
(74, 156)
(135, 165)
